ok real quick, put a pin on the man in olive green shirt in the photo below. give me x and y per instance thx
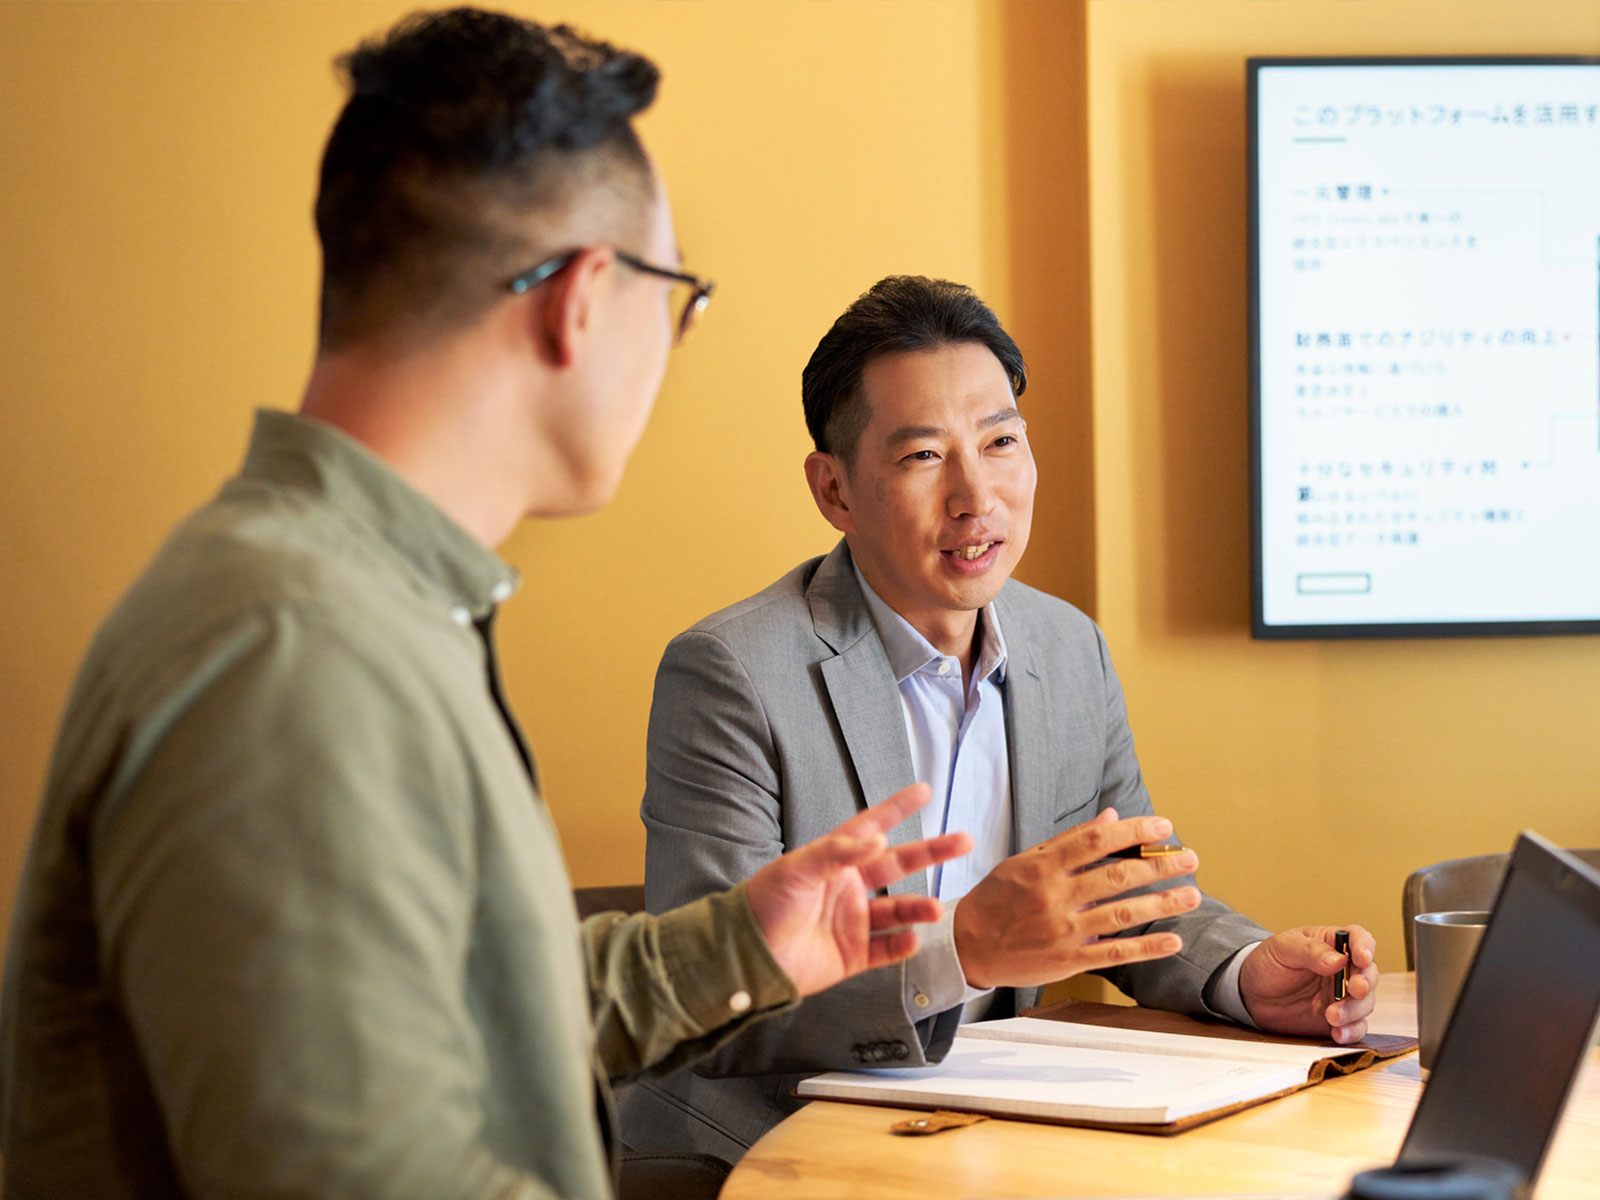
(294, 920)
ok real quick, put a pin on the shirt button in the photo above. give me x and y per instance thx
(944, 667)
(461, 616)
(502, 591)
(921, 1000)
(739, 1002)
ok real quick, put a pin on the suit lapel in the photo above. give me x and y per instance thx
(1027, 732)
(864, 694)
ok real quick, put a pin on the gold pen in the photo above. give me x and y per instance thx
(1149, 850)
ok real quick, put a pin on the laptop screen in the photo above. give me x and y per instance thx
(1523, 1020)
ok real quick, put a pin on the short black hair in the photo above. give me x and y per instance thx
(460, 124)
(897, 314)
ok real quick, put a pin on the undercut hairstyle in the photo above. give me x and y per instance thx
(461, 128)
(897, 314)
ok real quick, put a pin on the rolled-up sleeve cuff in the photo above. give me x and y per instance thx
(719, 962)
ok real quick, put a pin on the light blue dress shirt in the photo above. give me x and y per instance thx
(957, 736)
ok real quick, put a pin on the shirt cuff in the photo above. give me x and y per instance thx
(934, 980)
(1223, 997)
(718, 961)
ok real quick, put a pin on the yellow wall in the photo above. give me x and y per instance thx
(160, 267)
(161, 272)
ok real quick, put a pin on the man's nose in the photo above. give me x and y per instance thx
(971, 493)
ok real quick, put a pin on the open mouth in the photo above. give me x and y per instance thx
(972, 553)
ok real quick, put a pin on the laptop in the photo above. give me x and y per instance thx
(1523, 1021)
(1521, 1026)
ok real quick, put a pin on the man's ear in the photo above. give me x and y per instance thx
(830, 488)
(572, 297)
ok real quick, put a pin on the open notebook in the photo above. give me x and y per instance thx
(1073, 1073)
(1500, 1079)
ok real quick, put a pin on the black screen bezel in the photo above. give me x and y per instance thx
(1329, 631)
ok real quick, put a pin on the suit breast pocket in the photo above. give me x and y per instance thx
(1074, 806)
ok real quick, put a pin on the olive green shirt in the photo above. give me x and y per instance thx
(294, 920)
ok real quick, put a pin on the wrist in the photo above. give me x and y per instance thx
(969, 946)
(1224, 993)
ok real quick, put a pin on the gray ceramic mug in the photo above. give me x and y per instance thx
(1446, 944)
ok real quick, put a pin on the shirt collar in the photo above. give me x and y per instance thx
(300, 452)
(909, 651)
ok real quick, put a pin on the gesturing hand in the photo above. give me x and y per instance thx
(815, 904)
(1049, 912)
(1287, 983)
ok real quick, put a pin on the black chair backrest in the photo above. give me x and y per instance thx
(1458, 885)
(622, 897)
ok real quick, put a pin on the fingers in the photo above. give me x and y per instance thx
(882, 817)
(891, 947)
(1349, 1011)
(892, 912)
(878, 865)
(1111, 918)
(1087, 844)
(1308, 949)
(856, 841)
(1363, 948)
(896, 862)
(888, 917)
(863, 835)
(1362, 986)
(1346, 1034)
(1321, 958)
(1083, 851)
(1348, 1017)
(1116, 952)
(1097, 838)
(834, 852)
(1124, 875)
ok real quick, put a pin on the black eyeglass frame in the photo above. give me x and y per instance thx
(697, 303)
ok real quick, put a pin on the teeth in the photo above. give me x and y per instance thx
(971, 552)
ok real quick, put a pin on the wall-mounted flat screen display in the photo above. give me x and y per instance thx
(1425, 346)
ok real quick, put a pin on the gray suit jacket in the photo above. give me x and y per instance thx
(779, 717)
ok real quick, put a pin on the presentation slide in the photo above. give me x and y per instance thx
(1427, 345)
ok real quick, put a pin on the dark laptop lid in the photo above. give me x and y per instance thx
(1523, 1021)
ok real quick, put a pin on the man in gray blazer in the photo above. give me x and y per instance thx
(907, 654)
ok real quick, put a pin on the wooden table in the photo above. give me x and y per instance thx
(1312, 1141)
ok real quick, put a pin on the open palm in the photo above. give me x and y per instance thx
(816, 905)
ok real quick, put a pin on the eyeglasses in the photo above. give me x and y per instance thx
(694, 302)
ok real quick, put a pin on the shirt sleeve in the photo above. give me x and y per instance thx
(284, 894)
(935, 979)
(1223, 995)
(670, 989)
